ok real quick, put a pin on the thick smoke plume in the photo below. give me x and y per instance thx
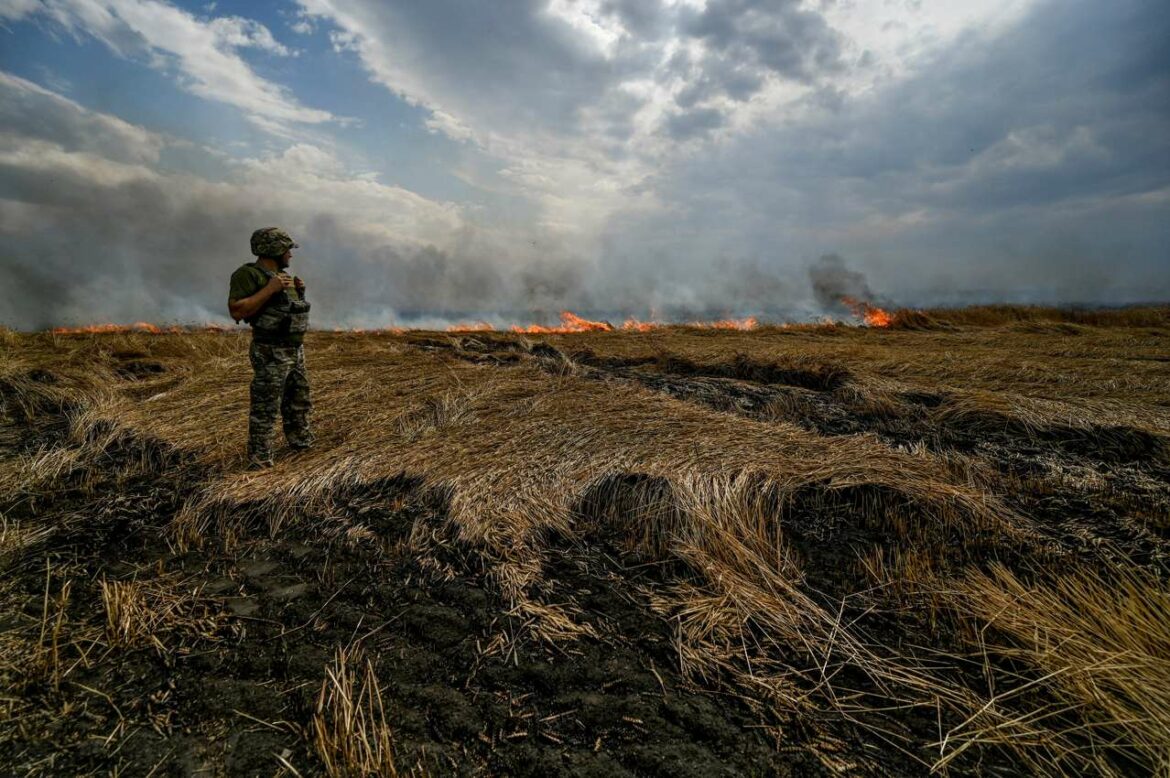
(833, 281)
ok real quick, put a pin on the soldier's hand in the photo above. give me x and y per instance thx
(280, 281)
(299, 284)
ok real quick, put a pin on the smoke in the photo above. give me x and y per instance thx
(832, 281)
(96, 228)
(88, 240)
(161, 248)
(99, 224)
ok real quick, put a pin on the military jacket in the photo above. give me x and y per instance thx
(284, 317)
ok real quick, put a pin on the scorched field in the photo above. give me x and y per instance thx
(943, 545)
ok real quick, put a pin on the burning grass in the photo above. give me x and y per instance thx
(845, 523)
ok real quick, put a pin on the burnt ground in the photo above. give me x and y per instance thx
(1097, 492)
(1089, 495)
(229, 683)
(232, 685)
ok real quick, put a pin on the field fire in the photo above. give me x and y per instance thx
(584, 388)
(570, 323)
(936, 543)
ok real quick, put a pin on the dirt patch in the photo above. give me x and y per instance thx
(1112, 443)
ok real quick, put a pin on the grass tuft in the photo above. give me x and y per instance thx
(349, 730)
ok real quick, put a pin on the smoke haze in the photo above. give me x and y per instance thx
(658, 161)
(832, 281)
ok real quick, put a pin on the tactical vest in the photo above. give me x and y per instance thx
(282, 320)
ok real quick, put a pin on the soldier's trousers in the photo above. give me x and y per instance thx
(279, 383)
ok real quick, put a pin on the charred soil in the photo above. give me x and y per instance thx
(708, 554)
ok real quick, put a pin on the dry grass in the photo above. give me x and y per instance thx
(349, 728)
(1039, 318)
(522, 442)
(138, 613)
(46, 660)
(1100, 645)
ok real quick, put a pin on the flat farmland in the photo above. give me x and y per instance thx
(806, 550)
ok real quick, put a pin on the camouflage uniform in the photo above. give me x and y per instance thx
(280, 382)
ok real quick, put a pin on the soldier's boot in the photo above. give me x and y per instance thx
(260, 434)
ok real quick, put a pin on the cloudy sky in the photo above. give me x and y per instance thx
(459, 159)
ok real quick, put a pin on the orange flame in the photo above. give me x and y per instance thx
(479, 326)
(870, 314)
(750, 323)
(633, 325)
(570, 322)
(139, 326)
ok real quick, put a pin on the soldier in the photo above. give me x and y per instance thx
(273, 303)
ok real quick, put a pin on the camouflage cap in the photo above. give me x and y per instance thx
(271, 242)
